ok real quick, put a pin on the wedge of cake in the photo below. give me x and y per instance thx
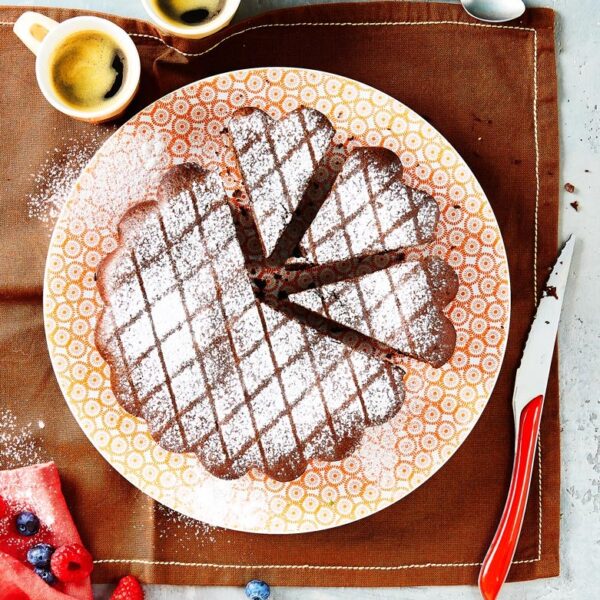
(370, 210)
(401, 306)
(277, 160)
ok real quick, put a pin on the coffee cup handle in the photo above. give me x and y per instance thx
(31, 28)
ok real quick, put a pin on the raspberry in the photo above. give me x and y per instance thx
(3, 507)
(71, 563)
(129, 588)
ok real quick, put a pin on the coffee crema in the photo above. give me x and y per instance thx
(87, 70)
(187, 12)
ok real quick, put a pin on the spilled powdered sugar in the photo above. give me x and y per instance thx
(174, 524)
(125, 171)
(118, 181)
(56, 177)
(18, 444)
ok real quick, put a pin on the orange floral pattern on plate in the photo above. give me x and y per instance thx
(442, 405)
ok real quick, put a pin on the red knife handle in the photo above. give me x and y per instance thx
(498, 559)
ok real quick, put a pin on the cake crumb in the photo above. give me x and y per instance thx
(569, 187)
(575, 205)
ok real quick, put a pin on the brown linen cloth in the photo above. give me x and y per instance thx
(492, 92)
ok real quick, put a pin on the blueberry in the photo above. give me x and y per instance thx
(27, 523)
(257, 590)
(46, 575)
(39, 556)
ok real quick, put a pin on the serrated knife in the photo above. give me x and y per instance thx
(528, 401)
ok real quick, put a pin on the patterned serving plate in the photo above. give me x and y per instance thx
(442, 405)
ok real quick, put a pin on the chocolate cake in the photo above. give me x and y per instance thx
(277, 160)
(212, 369)
(370, 210)
(257, 364)
(401, 306)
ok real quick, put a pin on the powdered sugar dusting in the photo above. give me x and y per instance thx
(115, 185)
(210, 368)
(56, 177)
(378, 457)
(277, 159)
(19, 446)
(369, 210)
(126, 170)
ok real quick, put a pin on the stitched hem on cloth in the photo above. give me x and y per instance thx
(535, 285)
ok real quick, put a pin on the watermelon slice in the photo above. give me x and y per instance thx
(36, 489)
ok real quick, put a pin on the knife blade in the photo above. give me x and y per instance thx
(528, 401)
(532, 375)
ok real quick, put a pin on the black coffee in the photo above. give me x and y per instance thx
(195, 16)
(118, 65)
(188, 12)
(87, 69)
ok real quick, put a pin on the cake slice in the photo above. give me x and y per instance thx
(211, 368)
(277, 160)
(370, 210)
(35, 489)
(400, 306)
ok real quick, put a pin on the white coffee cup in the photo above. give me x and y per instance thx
(43, 36)
(201, 30)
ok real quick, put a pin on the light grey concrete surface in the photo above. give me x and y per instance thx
(578, 37)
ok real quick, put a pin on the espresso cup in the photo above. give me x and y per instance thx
(44, 36)
(203, 29)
